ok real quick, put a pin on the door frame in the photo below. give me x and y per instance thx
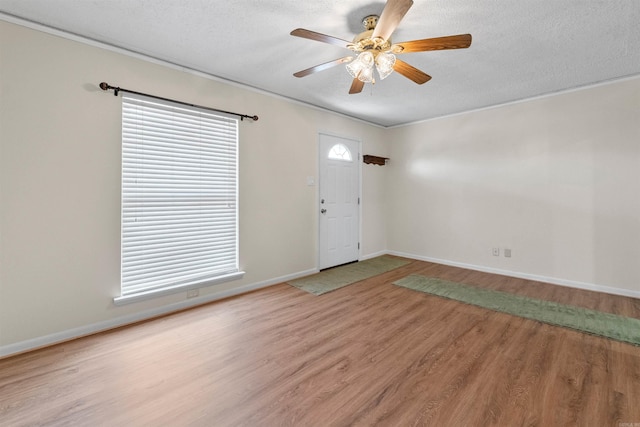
(317, 202)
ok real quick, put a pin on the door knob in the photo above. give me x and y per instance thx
(323, 210)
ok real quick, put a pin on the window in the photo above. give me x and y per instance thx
(340, 152)
(179, 198)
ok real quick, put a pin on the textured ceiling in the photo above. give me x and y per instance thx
(520, 49)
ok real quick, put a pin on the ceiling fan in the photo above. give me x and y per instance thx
(374, 48)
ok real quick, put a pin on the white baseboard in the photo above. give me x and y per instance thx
(70, 334)
(373, 255)
(537, 278)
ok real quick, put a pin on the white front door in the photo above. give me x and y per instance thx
(339, 200)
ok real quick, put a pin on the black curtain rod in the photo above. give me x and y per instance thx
(106, 86)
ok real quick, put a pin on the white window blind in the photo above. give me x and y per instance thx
(179, 197)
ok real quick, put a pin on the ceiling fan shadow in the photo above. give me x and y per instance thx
(354, 17)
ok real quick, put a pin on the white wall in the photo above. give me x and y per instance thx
(60, 184)
(555, 179)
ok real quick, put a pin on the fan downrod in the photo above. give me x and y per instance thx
(369, 22)
(364, 40)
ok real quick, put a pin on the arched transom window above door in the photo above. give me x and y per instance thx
(340, 152)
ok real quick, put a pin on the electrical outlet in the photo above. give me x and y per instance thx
(192, 293)
(507, 253)
(496, 251)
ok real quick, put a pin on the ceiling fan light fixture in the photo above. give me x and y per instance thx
(366, 75)
(354, 68)
(366, 58)
(362, 63)
(374, 47)
(384, 64)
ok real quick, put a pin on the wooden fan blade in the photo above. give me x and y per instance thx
(322, 67)
(356, 86)
(312, 35)
(411, 72)
(460, 41)
(391, 16)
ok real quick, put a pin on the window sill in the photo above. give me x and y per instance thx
(128, 299)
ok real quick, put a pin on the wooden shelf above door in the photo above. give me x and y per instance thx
(375, 160)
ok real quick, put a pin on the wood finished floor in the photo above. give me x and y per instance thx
(368, 354)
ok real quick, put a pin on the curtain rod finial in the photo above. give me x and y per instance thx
(104, 86)
(255, 118)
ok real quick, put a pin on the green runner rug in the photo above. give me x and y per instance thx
(608, 325)
(339, 277)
